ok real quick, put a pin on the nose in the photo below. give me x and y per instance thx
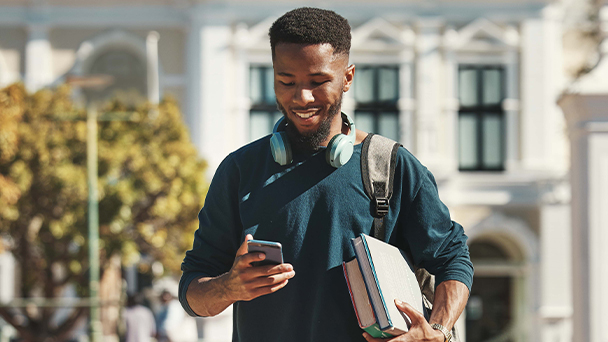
(303, 96)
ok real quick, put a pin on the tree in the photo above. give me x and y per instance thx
(582, 38)
(151, 185)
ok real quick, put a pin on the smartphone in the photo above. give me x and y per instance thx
(273, 251)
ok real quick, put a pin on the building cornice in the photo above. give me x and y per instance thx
(179, 13)
(102, 17)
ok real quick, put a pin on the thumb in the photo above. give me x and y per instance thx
(415, 316)
(243, 249)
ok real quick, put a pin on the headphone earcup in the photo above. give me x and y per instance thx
(339, 150)
(279, 146)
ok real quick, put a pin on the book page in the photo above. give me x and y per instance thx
(359, 292)
(396, 280)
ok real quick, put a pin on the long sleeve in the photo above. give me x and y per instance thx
(218, 235)
(436, 243)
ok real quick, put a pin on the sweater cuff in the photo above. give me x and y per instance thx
(184, 282)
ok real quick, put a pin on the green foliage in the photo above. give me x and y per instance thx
(151, 184)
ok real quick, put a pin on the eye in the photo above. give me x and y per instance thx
(315, 83)
(286, 83)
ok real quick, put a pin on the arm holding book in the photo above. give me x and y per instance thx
(437, 244)
(450, 299)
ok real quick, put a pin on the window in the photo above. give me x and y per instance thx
(376, 91)
(129, 77)
(491, 309)
(264, 113)
(481, 118)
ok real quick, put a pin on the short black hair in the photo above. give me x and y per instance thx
(135, 299)
(312, 26)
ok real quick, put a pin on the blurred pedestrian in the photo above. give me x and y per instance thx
(174, 325)
(139, 320)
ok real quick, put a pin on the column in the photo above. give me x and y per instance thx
(407, 103)
(553, 55)
(193, 106)
(428, 90)
(587, 120)
(38, 58)
(555, 289)
(532, 84)
(543, 147)
(209, 59)
(511, 106)
(152, 67)
(451, 106)
(242, 104)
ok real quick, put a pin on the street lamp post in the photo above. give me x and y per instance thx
(95, 81)
(93, 217)
(99, 82)
(96, 327)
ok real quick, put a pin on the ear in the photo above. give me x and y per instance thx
(348, 77)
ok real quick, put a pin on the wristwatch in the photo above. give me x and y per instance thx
(446, 333)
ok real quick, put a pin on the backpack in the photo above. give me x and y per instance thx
(378, 161)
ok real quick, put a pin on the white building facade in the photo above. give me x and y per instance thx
(469, 87)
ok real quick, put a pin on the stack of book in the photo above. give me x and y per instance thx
(379, 274)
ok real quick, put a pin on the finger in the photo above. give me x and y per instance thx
(271, 280)
(369, 338)
(275, 269)
(260, 291)
(245, 260)
(415, 316)
(243, 249)
(259, 277)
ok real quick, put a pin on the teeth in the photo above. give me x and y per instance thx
(305, 114)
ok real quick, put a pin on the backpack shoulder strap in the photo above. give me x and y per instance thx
(378, 161)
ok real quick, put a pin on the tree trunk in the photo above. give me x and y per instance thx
(110, 292)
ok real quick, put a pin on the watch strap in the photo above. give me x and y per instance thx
(446, 333)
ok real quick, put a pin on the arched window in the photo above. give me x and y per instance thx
(128, 74)
(504, 251)
(489, 313)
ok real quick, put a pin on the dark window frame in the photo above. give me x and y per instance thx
(480, 111)
(263, 106)
(377, 107)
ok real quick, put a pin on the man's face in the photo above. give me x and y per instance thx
(309, 81)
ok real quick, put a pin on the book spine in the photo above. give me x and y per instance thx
(350, 291)
(384, 308)
(362, 259)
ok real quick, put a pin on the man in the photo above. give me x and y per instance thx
(138, 320)
(313, 210)
(172, 323)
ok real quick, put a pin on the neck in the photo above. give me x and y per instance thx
(337, 127)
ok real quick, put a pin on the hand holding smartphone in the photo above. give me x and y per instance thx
(272, 250)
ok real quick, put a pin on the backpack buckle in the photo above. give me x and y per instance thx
(381, 206)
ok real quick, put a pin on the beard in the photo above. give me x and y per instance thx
(310, 142)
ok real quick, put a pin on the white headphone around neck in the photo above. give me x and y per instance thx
(339, 150)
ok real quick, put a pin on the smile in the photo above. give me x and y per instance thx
(305, 114)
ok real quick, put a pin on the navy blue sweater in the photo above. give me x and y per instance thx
(314, 210)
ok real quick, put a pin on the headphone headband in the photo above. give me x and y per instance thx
(351, 125)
